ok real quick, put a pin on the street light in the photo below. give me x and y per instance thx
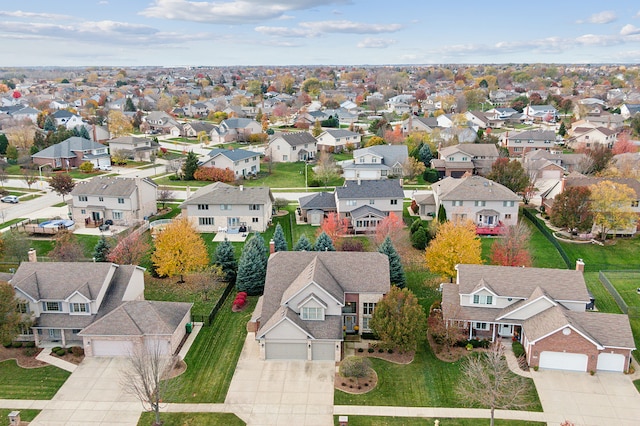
(40, 170)
(306, 185)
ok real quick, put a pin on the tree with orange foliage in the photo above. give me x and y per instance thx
(623, 145)
(513, 248)
(130, 250)
(334, 227)
(390, 226)
(394, 136)
(214, 174)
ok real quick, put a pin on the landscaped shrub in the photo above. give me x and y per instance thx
(16, 344)
(61, 352)
(29, 344)
(380, 350)
(417, 223)
(518, 349)
(86, 167)
(30, 351)
(55, 348)
(6, 344)
(77, 350)
(352, 245)
(414, 206)
(368, 336)
(240, 300)
(214, 174)
(360, 350)
(370, 350)
(390, 351)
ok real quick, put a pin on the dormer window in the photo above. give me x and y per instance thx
(481, 299)
(51, 306)
(78, 307)
(311, 313)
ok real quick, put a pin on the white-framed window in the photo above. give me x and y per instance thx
(367, 313)
(83, 211)
(508, 203)
(79, 307)
(52, 306)
(117, 215)
(394, 202)
(25, 330)
(361, 159)
(23, 307)
(254, 207)
(482, 299)
(457, 203)
(203, 206)
(246, 160)
(507, 216)
(311, 313)
(76, 330)
(481, 325)
(225, 206)
(372, 201)
(205, 221)
(352, 203)
(285, 158)
(255, 220)
(83, 198)
(120, 200)
(480, 203)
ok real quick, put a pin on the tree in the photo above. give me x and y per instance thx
(252, 267)
(399, 320)
(3, 176)
(599, 157)
(390, 226)
(513, 248)
(623, 145)
(324, 243)
(10, 318)
(101, 250)
(179, 250)
(118, 124)
(225, 259)
(442, 214)
(62, 184)
(29, 176)
(4, 144)
(190, 166)
(317, 129)
(326, 169)
(562, 131)
(487, 381)
(206, 280)
(279, 241)
(303, 244)
(419, 239)
(412, 168)
(165, 194)
(16, 245)
(374, 140)
(334, 227)
(129, 106)
(455, 242)
(396, 270)
(355, 366)
(510, 174)
(442, 333)
(147, 376)
(130, 250)
(280, 203)
(12, 153)
(424, 155)
(86, 167)
(66, 248)
(611, 206)
(572, 209)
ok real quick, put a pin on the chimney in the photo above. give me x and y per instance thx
(272, 247)
(32, 255)
(580, 265)
(359, 181)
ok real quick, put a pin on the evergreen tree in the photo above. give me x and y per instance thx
(280, 243)
(562, 130)
(49, 124)
(4, 143)
(225, 258)
(252, 267)
(101, 250)
(303, 244)
(396, 270)
(425, 155)
(442, 214)
(417, 223)
(84, 133)
(129, 106)
(324, 243)
(190, 166)
(419, 239)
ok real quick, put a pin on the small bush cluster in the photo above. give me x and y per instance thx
(30, 351)
(518, 349)
(214, 174)
(360, 350)
(352, 245)
(420, 234)
(370, 350)
(475, 343)
(240, 300)
(16, 344)
(77, 351)
(29, 344)
(368, 336)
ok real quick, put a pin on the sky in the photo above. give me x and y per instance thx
(315, 32)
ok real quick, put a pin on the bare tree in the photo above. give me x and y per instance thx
(487, 381)
(30, 177)
(164, 195)
(146, 376)
(326, 169)
(205, 281)
(3, 176)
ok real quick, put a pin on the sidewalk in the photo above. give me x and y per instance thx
(65, 365)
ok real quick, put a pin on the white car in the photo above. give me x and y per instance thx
(9, 199)
(105, 168)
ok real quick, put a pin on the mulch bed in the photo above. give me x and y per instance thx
(350, 385)
(22, 359)
(179, 368)
(395, 357)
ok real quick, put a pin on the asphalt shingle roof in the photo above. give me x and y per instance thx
(233, 154)
(296, 138)
(66, 148)
(221, 193)
(473, 188)
(108, 186)
(319, 200)
(368, 189)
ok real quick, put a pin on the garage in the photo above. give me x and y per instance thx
(279, 350)
(611, 362)
(563, 361)
(112, 347)
(323, 351)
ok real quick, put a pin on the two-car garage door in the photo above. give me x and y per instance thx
(320, 351)
(112, 347)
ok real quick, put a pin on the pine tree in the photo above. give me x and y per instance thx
(101, 250)
(324, 243)
(280, 243)
(396, 270)
(84, 133)
(252, 267)
(303, 244)
(442, 214)
(226, 259)
(190, 166)
(419, 238)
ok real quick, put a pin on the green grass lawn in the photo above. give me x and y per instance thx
(168, 290)
(11, 222)
(192, 419)
(165, 181)
(287, 175)
(626, 283)
(212, 359)
(175, 211)
(604, 300)
(621, 253)
(26, 415)
(423, 421)
(29, 383)
(79, 174)
(60, 204)
(342, 156)
(30, 197)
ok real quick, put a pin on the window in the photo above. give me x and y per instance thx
(51, 306)
(293, 148)
(361, 159)
(246, 160)
(254, 207)
(24, 330)
(480, 325)
(285, 158)
(78, 307)
(507, 216)
(255, 220)
(82, 198)
(634, 203)
(83, 211)
(457, 203)
(23, 307)
(367, 313)
(480, 203)
(225, 206)
(120, 200)
(76, 330)
(117, 215)
(465, 159)
(372, 201)
(481, 299)
(508, 203)
(100, 198)
(205, 221)
(351, 203)
(394, 202)
(203, 206)
(312, 313)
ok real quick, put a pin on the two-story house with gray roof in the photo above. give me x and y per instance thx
(377, 162)
(235, 129)
(292, 147)
(473, 158)
(311, 298)
(72, 152)
(338, 140)
(136, 148)
(544, 309)
(367, 202)
(240, 161)
(233, 209)
(520, 143)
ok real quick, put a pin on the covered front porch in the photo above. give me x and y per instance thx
(490, 331)
(51, 337)
(488, 223)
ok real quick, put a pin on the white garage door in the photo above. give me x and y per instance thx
(323, 351)
(563, 361)
(611, 362)
(112, 347)
(277, 350)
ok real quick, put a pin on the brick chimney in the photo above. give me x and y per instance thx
(580, 265)
(272, 247)
(32, 255)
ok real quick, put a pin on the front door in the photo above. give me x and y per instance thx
(95, 216)
(349, 322)
(54, 334)
(506, 330)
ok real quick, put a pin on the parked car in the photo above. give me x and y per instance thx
(9, 199)
(105, 168)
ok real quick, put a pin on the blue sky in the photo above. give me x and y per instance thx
(309, 32)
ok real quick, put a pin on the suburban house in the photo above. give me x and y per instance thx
(544, 309)
(338, 140)
(161, 122)
(235, 129)
(419, 124)
(457, 160)
(72, 152)
(377, 162)
(194, 128)
(240, 161)
(233, 209)
(488, 204)
(366, 202)
(138, 149)
(589, 137)
(312, 298)
(540, 113)
(529, 140)
(124, 201)
(292, 147)
(315, 207)
(99, 306)
(540, 161)
(67, 119)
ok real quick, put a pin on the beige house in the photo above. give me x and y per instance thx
(138, 149)
(124, 201)
(292, 147)
(337, 140)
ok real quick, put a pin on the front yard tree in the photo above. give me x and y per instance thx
(164, 195)
(455, 242)
(179, 250)
(30, 177)
(62, 184)
(324, 243)
(10, 318)
(15, 245)
(279, 241)
(190, 166)
(326, 169)
(303, 244)
(101, 250)
(487, 382)
(252, 267)
(130, 250)
(412, 168)
(225, 259)
(355, 366)
(509, 173)
(611, 206)
(399, 320)
(572, 209)
(396, 270)
(513, 248)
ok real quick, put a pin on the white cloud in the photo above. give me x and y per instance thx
(376, 43)
(32, 15)
(283, 31)
(318, 28)
(629, 30)
(604, 17)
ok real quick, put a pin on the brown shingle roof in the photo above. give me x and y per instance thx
(473, 188)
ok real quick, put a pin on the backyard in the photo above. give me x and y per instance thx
(627, 283)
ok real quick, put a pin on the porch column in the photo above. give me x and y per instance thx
(64, 341)
(470, 330)
(493, 337)
(35, 335)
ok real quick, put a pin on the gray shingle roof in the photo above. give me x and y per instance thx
(391, 154)
(473, 188)
(340, 133)
(66, 148)
(296, 138)
(233, 154)
(221, 193)
(366, 210)
(536, 135)
(130, 140)
(368, 189)
(319, 200)
(588, 181)
(472, 149)
(108, 186)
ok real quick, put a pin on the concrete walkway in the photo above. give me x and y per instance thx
(60, 363)
(197, 326)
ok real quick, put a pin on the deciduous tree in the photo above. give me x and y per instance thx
(513, 248)
(179, 250)
(279, 241)
(334, 227)
(252, 267)
(611, 206)
(623, 145)
(355, 366)
(29, 176)
(399, 320)
(205, 281)
(412, 168)
(61, 183)
(214, 174)
(225, 259)
(324, 243)
(130, 249)
(455, 242)
(390, 226)
(326, 169)
(396, 270)
(118, 124)
(10, 318)
(16, 245)
(164, 195)
(303, 244)
(572, 209)
(66, 248)
(509, 173)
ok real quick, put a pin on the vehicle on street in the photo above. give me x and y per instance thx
(9, 199)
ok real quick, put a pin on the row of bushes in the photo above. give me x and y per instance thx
(16, 344)
(475, 343)
(372, 350)
(75, 350)
(518, 349)
(420, 234)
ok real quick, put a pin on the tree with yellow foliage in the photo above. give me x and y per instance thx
(455, 242)
(611, 204)
(119, 124)
(179, 250)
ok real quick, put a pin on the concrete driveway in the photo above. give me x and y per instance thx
(92, 395)
(281, 392)
(602, 399)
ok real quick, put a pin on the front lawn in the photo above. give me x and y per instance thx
(26, 415)
(192, 419)
(287, 175)
(406, 421)
(29, 383)
(212, 359)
